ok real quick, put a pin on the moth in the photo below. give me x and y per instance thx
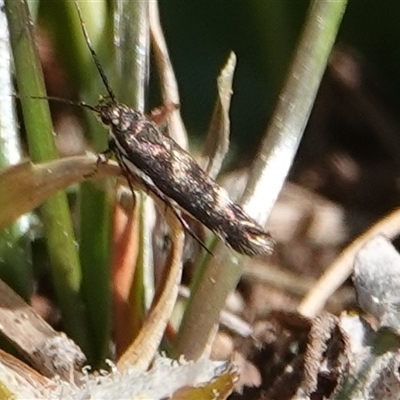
(172, 174)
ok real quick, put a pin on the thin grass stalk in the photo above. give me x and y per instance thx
(131, 38)
(220, 274)
(95, 200)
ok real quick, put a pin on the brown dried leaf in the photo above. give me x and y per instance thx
(217, 143)
(143, 349)
(50, 352)
(26, 185)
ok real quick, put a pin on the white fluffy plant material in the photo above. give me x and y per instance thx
(166, 377)
(374, 352)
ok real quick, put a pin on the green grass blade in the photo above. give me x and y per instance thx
(94, 200)
(220, 273)
(15, 251)
(61, 244)
(132, 63)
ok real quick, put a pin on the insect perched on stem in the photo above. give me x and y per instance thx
(171, 174)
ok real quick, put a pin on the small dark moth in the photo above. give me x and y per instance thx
(171, 174)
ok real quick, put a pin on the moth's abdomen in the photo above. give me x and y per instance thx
(242, 233)
(250, 239)
(214, 209)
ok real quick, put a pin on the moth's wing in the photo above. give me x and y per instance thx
(146, 181)
(162, 162)
(173, 171)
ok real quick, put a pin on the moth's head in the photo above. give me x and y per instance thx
(117, 116)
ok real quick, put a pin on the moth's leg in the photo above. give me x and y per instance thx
(103, 157)
(126, 171)
(185, 225)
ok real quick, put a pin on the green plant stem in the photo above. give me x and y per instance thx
(132, 73)
(95, 201)
(15, 251)
(131, 34)
(220, 274)
(61, 244)
(296, 99)
(96, 275)
(126, 75)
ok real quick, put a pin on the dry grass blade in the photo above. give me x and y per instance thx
(143, 349)
(28, 184)
(51, 353)
(342, 267)
(217, 143)
(19, 381)
(166, 73)
(126, 231)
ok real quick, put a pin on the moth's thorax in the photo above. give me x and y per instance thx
(119, 118)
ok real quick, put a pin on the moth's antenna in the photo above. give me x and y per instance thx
(60, 100)
(94, 56)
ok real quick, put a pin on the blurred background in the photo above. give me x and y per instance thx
(263, 34)
(351, 146)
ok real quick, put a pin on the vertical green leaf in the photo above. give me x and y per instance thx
(55, 213)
